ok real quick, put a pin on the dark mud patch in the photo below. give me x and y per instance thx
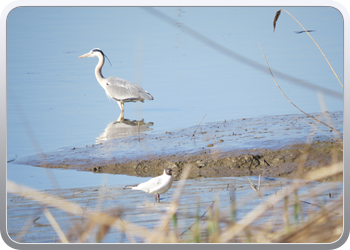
(273, 163)
(275, 146)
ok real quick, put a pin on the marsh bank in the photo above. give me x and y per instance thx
(271, 145)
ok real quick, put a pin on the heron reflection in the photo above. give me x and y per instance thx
(124, 128)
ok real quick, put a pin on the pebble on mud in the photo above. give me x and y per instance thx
(210, 145)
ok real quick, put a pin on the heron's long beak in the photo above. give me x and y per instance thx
(85, 55)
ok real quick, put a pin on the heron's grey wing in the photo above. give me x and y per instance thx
(123, 90)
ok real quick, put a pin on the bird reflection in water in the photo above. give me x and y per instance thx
(123, 128)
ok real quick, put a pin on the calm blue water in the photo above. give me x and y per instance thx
(53, 96)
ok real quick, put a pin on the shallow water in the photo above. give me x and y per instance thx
(140, 208)
(43, 178)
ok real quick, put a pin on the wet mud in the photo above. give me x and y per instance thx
(274, 146)
(274, 163)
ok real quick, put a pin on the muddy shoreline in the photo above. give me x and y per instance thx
(282, 162)
(273, 146)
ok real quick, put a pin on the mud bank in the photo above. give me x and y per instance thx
(272, 146)
(273, 163)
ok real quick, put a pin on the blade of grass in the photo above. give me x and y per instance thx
(55, 225)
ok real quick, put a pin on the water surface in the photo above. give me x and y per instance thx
(54, 100)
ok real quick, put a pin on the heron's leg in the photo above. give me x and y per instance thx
(122, 108)
(120, 105)
(120, 118)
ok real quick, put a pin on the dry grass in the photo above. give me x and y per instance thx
(323, 224)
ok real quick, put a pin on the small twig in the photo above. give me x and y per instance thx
(329, 211)
(259, 182)
(324, 108)
(85, 209)
(138, 129)
(24, 195)
(254, 188)
(289, 99)
(36, 219)
(198, 126)
(314, 127)
(12, 159)
(210, 207)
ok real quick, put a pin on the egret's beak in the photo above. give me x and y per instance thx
(85, 55)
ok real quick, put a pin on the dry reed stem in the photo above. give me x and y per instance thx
(55, 225)
(324, 172)
(303, 157)
(315, 128)
(210, 207)
(254, 188)
(261, 208)
(329, 120)
(72, 208)
(312, 204)
(84, 230)
(85, 208)
(198, 126)
(289, 99)
(324, 108)
(275, 20)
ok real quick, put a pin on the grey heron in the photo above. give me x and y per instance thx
(118, 89)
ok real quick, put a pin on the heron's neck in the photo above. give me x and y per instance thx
(98, 69)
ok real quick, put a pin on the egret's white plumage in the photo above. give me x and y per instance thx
(158, 185)
(118, 89)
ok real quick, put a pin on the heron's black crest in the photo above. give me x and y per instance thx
(98, 50)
